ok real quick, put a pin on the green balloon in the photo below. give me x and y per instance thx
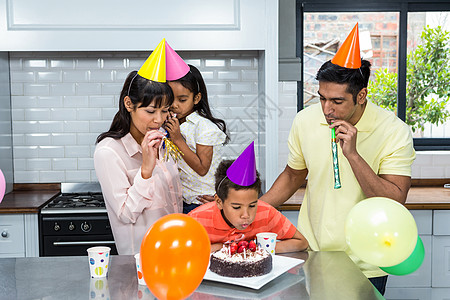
(411, 264)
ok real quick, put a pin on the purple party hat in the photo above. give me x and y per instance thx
(243, 170)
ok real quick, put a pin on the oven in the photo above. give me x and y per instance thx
(73, 221)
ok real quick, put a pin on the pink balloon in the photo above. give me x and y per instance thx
(2, 186)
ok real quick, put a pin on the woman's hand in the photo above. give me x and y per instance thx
(150, 147)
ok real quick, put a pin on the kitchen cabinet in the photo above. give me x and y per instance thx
(440, 293)
(19, 235)
(441, 248)
(292, 216)
(422, 277)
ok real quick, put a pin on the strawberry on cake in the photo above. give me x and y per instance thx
(243, 259)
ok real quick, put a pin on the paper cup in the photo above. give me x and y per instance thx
(267, 241)
(99, 288)
(140, 275)
(98, 261)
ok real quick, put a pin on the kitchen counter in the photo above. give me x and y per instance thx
(26, 202)
(419, 197)
(324, 275)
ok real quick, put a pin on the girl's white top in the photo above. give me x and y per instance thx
(199, 130)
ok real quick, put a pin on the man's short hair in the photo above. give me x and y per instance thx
(357, 79)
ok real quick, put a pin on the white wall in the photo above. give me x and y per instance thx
(61, 101)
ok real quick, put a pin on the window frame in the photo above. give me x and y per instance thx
(403, 7)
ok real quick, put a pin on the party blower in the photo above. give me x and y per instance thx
(337, 179)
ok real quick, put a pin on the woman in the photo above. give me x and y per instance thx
(138, 186)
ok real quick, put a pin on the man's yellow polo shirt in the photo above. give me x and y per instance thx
(383, 141)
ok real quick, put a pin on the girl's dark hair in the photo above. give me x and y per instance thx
(193, 81)
(142, 93)
(357, 79)
(224, 184)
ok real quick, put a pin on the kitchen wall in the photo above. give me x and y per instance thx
(6, 164)
(61, 101)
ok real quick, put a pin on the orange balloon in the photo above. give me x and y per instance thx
(174, 256)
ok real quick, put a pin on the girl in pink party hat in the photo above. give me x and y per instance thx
(236, 213)
(197, 133)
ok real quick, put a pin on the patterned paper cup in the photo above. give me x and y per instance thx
(98, 261)
(267, 241)
(140, 275)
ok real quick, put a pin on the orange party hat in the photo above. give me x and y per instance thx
(349, 55)
(154, 68)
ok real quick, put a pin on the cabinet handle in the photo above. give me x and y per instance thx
(4, 233)
(83, 243)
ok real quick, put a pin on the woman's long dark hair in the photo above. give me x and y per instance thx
(193, 81)
(142, 93)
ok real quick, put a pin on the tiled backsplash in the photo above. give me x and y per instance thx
(428, 165)
(61, 101)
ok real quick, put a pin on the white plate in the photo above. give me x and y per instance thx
(280, 265)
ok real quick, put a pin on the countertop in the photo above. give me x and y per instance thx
(26, 202)
(419, 197)
(324, 275)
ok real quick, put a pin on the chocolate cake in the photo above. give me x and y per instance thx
(253, 263)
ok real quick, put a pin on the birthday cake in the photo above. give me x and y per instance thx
(243, 259)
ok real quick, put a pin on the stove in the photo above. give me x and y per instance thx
(75, 220)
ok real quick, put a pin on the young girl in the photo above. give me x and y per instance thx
(138, 186)
(198, 135)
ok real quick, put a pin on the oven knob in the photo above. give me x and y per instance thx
(86, 227)
(71, 226)
(4, 233)
(56, 227)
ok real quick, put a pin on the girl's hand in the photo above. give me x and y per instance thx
(172, 126)
(205, 198)
(150, 147)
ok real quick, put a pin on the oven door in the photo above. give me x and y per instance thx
(66, 234)
(75, 245)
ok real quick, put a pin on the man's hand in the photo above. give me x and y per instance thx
(346, 135)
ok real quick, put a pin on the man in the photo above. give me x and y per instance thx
(375, 154)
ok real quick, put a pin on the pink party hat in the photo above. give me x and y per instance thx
(243, 170)
(175, 66)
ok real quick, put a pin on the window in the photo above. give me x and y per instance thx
(390, 37)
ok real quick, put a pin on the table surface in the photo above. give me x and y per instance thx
(324, 275)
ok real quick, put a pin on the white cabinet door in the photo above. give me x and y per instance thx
(440, 294)
(292, 216)
(421, 277)
(410, 294)
(424, 221)
(441, 261)
(12, 241)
